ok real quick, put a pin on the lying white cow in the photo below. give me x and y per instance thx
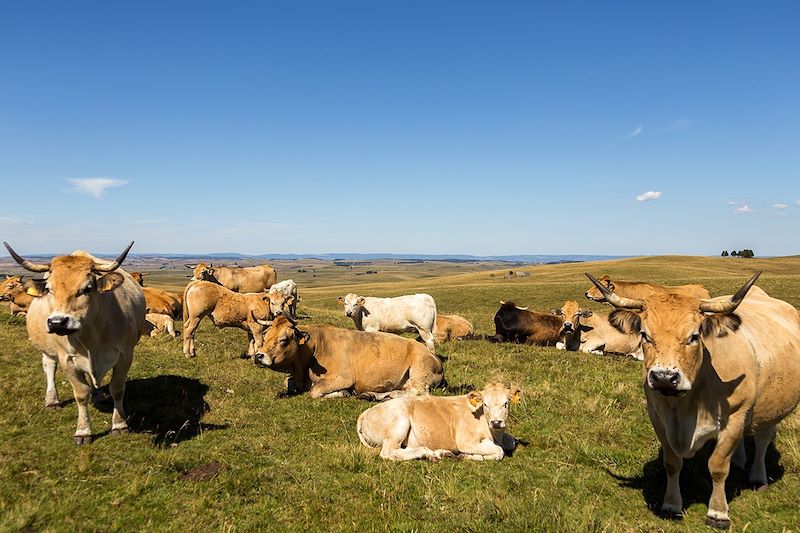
(401, 314)
(283, 295)
(472, 426)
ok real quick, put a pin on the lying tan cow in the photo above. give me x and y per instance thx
(227, 309)
(87, 316)
(591, 332)
(238, 279)
(12, 290)
(451, 328)
(636, 289)
(163, 302)
(714, 370)
(431, 427)
(330, 362)
(156, 323)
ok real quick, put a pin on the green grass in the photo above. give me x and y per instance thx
(590, 461)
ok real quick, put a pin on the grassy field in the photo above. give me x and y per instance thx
(214, 447)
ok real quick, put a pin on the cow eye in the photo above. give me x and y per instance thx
(645, 338)
(505, 405)
(86, 290)
(694, 338)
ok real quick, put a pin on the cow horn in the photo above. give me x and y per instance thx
(729, 306)
(502, 302)
(30, 265)
(264, 322)
(190, 267)
(522, 308)
(108, 267)
(615, 300)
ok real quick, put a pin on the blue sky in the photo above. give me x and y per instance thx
(430, 127)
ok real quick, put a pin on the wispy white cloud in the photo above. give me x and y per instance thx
(95, 186)
(732, 202)
(797, 203)
(648, 196)
(635, 133)
(779, 206)
(742, 209)
(680, 125)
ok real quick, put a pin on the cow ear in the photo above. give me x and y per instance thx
(625, 321)
(555, 311)
(340, 300)
(35, 288)
(719, 325)
(361, 301)
(290, 300)
(475, 399)
(586, 313)
(110, 281)
(516, 395)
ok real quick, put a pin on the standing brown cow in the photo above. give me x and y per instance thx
(238, 279)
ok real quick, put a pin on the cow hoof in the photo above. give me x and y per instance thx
(719, 523)
(761, 487)
(188, 355)
(83, 439)
(120, 431)
(53, 406)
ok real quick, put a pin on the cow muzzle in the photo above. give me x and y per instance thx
(569, 327)
(497, 424)
(666, 381)
(62, 324)
(262, 360)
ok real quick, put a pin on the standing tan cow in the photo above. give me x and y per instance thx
(89, 315)
(238, 279)
(330, 362)
(637, 289)
(472, 426)
(227, 309)
(12, 290)
(714, 369)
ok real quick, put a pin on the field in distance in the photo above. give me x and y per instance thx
(214, 446)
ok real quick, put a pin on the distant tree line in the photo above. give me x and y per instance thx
(741, 253)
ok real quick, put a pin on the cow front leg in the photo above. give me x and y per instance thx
(119, 424)
(49, 365)
(719, 465)
(427, 338)
(485, 450)
(758, 470)
(673, 463)
(82, 392)
(327, 387)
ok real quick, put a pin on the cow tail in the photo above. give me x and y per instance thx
(185, 305)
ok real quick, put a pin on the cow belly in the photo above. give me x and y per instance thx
(374, 378)
(431, 432)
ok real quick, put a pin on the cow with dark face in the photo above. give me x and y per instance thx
(518, 325)
(87, 315)
(714, 369)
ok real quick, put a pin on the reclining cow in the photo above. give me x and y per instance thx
(402, 314)
(431, 427)
(638, 289)
(518, 325)
(13, 290)
(590, 332)
(331, 362)
(238, 279)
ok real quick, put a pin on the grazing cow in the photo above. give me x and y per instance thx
(138, 277)
(401, 314)
(13, 290)
(283, 297)
(518, 325)
(89, 315)
(452, 328)
(516, 274)
(238, 279)
(331, 362)
(227, 309)
(163, 302)
(636, 289)
(590, 332)
(714, 369)
(156, 323)
(472, 426)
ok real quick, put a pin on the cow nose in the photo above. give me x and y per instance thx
(568, 326)
(262, 359)
(664, 379)
(55, 323)
(497, 424)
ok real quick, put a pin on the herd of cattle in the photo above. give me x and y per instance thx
(714, 368)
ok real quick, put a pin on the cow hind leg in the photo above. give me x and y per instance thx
(329, 387)
(758, 470)
(189, 327)
(396, 432)
(49, 366)
(427, 338)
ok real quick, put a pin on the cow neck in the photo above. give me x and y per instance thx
(358, 317)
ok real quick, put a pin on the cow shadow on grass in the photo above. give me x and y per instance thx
(168, 407)
(695, 479)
